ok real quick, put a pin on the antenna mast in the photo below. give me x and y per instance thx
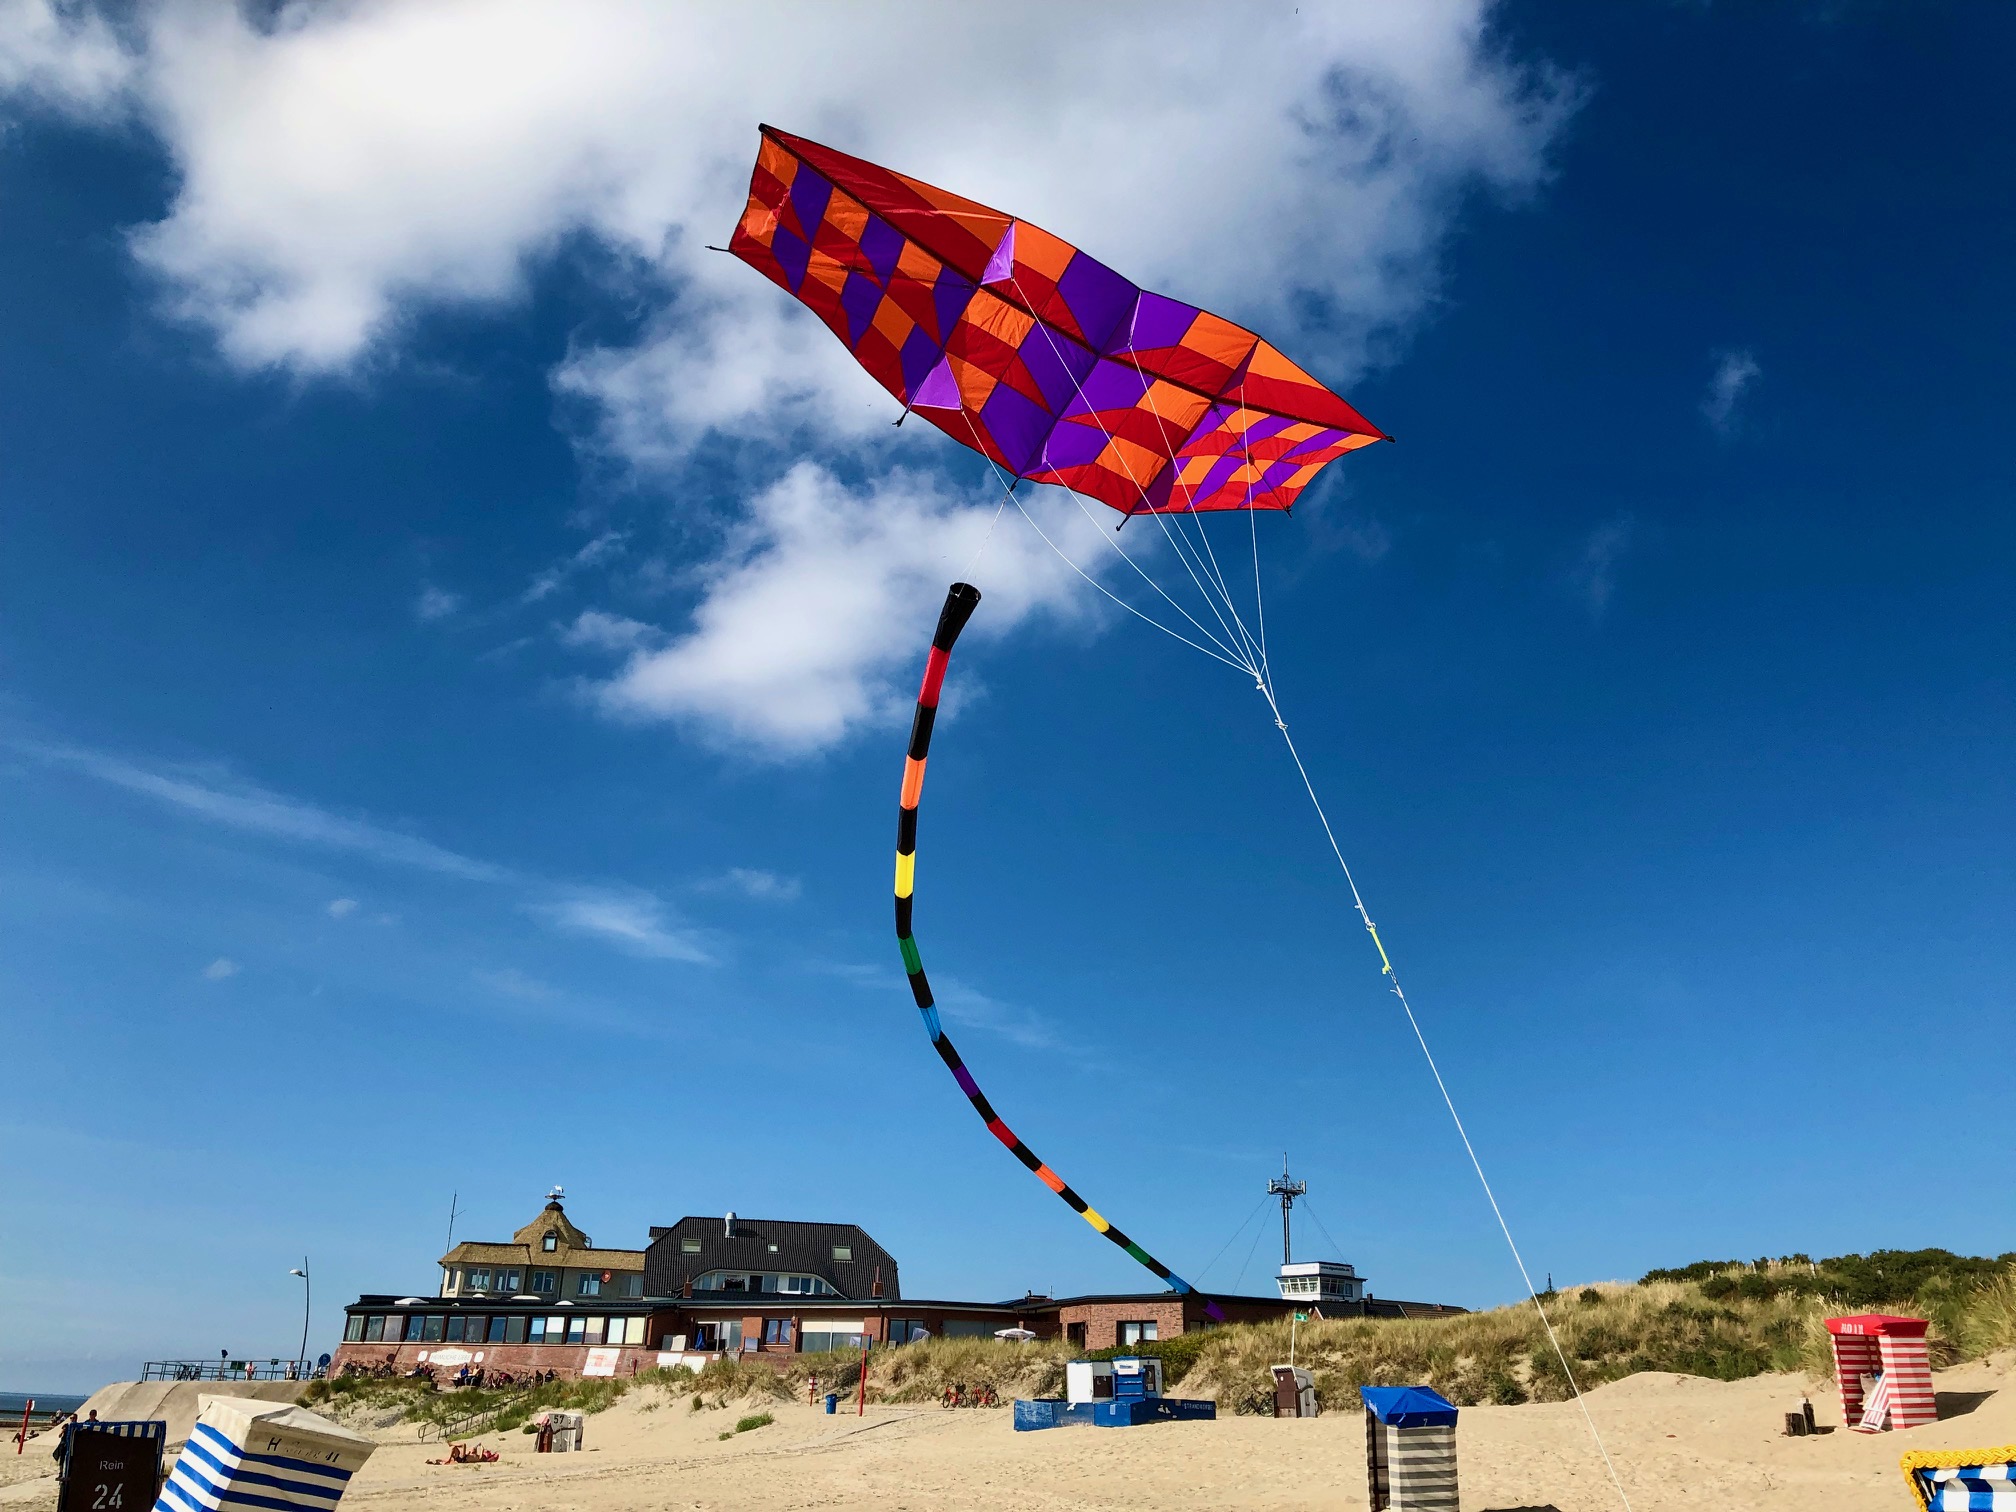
(1287, 1189)
(454, 1198)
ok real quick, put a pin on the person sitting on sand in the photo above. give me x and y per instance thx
(467, 1454)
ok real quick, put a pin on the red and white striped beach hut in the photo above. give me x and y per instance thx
(1893, 1351)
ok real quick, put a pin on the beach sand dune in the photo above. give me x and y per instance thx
(1677, 1441)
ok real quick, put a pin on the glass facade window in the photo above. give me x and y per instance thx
(455, 1326)
(353, 1329)
(433, 1326)
(537, 1333)
(496, 1333)
(577, 1330)
(374, 1328)
(395, 1328)
(595, 1330)
(514, 1329)
(556, 1330)
(545, 1282)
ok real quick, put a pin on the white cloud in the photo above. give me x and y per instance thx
(555, 577)
(221, 968)
(514, 983)
(436, 603)
(632, 918)
(60, 56)
(1594, 575)
(219, 798)
(964, 1006)
(341, 168)
(595, 630)
(635, 921)
(818, 600)
(1735, 372)
(753, 882)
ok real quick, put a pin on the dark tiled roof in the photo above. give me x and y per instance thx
(800, 1249)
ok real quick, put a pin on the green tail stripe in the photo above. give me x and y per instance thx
(1140, 1254)
(912, 962)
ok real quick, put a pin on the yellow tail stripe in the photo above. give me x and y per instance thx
(906, 875)
(1092, 1217)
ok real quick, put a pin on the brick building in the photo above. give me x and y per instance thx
(708, 1287)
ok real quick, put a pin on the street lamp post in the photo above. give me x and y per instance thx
(307, 1299)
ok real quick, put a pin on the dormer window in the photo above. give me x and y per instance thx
(550, 1243)
(843, 1252)
(689, 1246)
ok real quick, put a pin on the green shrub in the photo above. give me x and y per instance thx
(754, 1420)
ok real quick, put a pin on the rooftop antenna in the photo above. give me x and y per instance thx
(453, 1199)
(1287, 1190)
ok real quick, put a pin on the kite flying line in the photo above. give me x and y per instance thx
(960, 602)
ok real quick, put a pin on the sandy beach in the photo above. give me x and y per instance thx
(1678, 1442)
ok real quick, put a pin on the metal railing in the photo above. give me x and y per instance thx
(229, 1370)
(474, 1422)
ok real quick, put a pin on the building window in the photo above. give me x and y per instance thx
(689, 1246)
(395, 1328)
(843, 1252)
(577, 1330)
(1138, 1333)
(353, 1329)
(479, 1280)
(545, 1281)
(374, 1330)
(514, 1330)
(773, 1249)
(594, 1333)
(777, 1332)
(537, 1331)
(496, 1334)
(550, 1243)
(455, 1325)
(633, 1285)
(507, 1280)
(586, 1285)
(431, 1328)
(907, 1330)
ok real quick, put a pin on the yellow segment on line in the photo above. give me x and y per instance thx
(1092, 1217)
(1384, 965)
(906, 875)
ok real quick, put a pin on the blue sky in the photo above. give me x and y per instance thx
(457, 637)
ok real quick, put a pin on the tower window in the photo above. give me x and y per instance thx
(551, 1242)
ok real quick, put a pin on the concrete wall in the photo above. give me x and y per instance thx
(178, 1402)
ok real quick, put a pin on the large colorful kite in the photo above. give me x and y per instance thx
(1055, 368)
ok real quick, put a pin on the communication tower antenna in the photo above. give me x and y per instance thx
(1287, 1189)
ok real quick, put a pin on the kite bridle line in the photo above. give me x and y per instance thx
(1257, 668)
(960, 602)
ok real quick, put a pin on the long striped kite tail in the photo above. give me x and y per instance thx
(960, 602)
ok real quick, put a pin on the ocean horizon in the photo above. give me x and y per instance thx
(13, 1403)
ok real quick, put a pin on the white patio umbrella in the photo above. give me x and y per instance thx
(1019, 1335)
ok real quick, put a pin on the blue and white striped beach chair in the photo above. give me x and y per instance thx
(250, 1454)
(1963, 1480)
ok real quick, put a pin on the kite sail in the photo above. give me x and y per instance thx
(1044, 360)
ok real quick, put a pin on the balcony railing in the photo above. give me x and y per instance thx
(229, 1370)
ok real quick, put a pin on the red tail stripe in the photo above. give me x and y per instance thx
(934, 677)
